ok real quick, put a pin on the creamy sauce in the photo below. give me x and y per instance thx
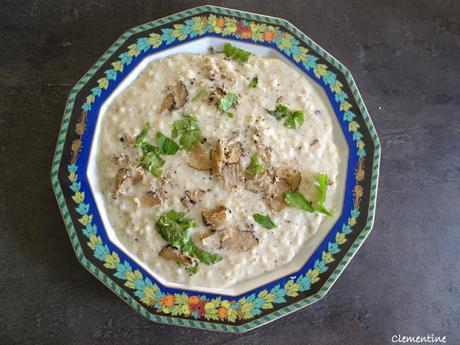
(312, 146)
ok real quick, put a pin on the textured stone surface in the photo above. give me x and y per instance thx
(405, 56)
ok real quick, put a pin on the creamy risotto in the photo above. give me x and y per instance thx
(217, 168)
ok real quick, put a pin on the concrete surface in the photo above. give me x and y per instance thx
(405, 56)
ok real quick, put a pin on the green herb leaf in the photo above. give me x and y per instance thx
(280, 112)
(202, 255)
(292, 118)
(297, 200)
(265, 221)
(254, 82)
(227, 102)
(199, 94)
(188, 131)
(321, 184)
(147, 147)
(255, 167)
(151, 161)
(193, 268)
(235, 53)
(143, 134)
(175, 228)
(166, 145)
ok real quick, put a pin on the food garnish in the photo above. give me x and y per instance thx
(188, 130)
(255, 167)
(176, 97)
(199, 94)
(292, 118)
(254, 82)
(150, 159)
(199, 157)
(175, 228)
(296, 199)
(236, 53)
(263, 220)
(227, 102)
(166, 146)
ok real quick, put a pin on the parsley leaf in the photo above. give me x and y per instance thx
(255, 167)
(236, 53)
(166, 145)
(150, 159)
(175, 228)
(188, 131)
(227, 102)
(254, 82)
(193, 268)
(280, 112)
(321, 184)
(291, 118)
(296, 199)
(199, 94)
(265, 221)
(143, 134)
(202, 255)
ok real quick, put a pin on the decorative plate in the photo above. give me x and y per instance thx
(245, 308)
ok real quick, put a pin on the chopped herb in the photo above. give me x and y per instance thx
(227, 102)
(166, 145)
(254, 82)
(202, 255)
(150, 159)
(199, 94)
(175, 228)
(147, 147)
(193, 268)
(295, 117)
(291, 118)
(236, 53)
(265, 221)
(321, 184)
(188, 131)
(143, 134)
(255, 167)
(296, 199)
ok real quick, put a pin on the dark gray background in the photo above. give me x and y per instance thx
(405, 57)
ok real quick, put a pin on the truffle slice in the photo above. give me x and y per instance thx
(236, 239)
(212, 240)
(176, 97)
(232, 152)
(171, 253)
(217, 158)
(216, 217)
(231, 239)
(199, 157)
(259, 183)
(125, 178)
(232, 175)
(150, 199)
(192, 197)
(290, 175)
